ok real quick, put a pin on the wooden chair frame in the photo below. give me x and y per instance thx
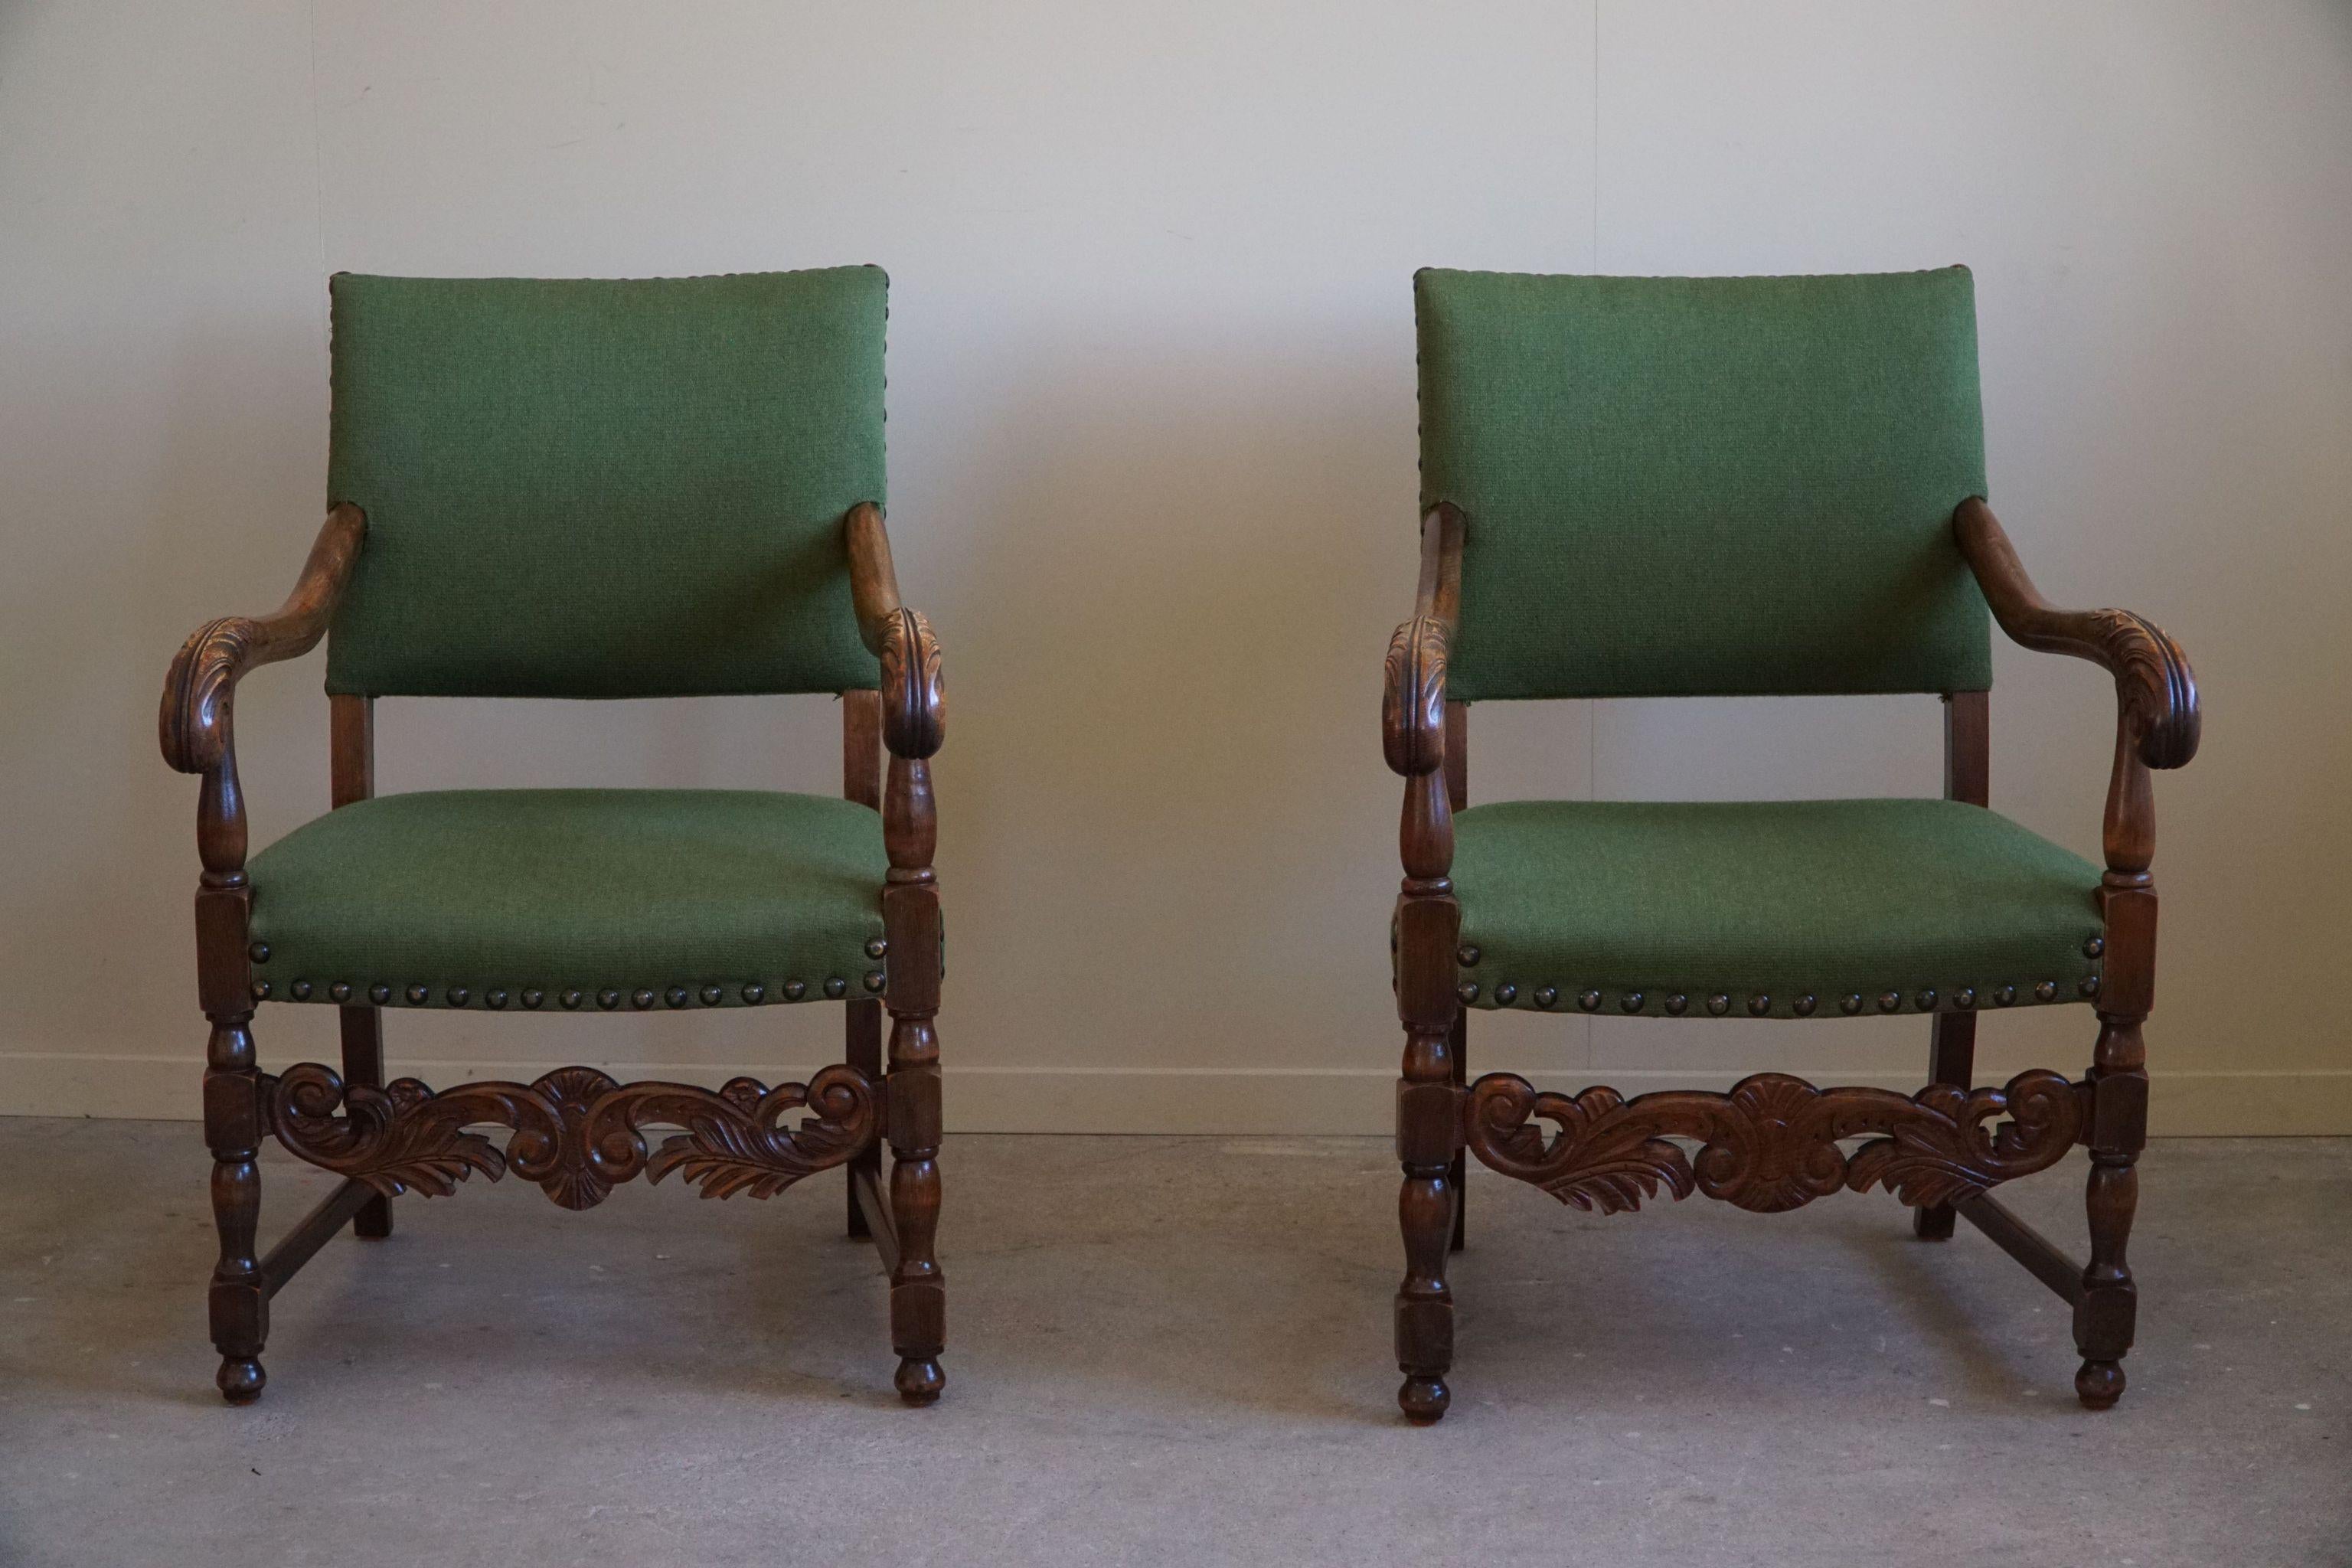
(1772, 1142)
(575, 1132)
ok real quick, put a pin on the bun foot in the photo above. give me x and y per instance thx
(919, 1382)
(2099, 1384)
(1424, 1400)
(240, 1381)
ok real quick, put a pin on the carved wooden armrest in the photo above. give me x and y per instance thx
(194, 722)
(1413, 698)
(914, 704)
(2156, 691)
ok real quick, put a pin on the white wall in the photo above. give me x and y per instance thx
(1152, 451)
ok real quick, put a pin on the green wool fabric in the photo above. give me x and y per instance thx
(1694, 486)
(591, 890)
(1825, 899)
(592, 488)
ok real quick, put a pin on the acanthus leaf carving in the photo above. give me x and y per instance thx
(1771, 1143)
(575, 1132)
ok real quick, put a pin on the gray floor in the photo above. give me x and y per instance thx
(1167, 1352)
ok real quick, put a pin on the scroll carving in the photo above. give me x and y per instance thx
(576, 1132)
(1412, 705)
(914, 700)
(1771, 1144)
(2153, 686)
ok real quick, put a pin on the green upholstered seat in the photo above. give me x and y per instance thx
(1779, 909)
(573, 898)
(1691, 486)
(605, 487)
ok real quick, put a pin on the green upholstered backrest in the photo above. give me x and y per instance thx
(593, 487)
(1693, 486)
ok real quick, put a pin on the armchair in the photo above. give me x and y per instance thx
(586, 489)
(1676, 487)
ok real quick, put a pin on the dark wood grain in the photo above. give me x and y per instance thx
(575, 1132)
(2158, 725)
(1413, 725)
(2039, 1255)
(1457, 800)
(195, 725)
(1952, 1047)
(861, 781)
(914, 724)
(1771, 1143)
(1775, 1143)
(351, 727)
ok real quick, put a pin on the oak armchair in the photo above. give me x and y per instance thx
(1678, 487)
(588, 490)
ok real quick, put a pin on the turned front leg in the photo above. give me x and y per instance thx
(2106, 1316)
(237, 1304)
(1429, 1119)
(910, 914)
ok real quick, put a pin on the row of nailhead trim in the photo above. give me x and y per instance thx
(1760, 1003)
(641, 998)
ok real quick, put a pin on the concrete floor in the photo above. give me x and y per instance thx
(1168, 1351)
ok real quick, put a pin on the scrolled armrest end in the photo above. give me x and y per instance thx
(2155, 685)
(914, 698)
(1413, 698)
(193, 721)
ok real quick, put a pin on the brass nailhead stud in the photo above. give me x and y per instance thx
(877, 947)
(795, 989)
(2006, 995)
(1676, 1005)
(710, 996)
(835, 986)
(1468, 991)
(379, 994)
(416, 995)
(754, 994)
(1719, 1003)
(608, 999)
(1631, 1002)
(300, 990)
(641, 999)
(1760, 1004)
(341, 990)
(1804, 1005)
(2046, 991)
(261, 990)
(1850, 1004)
(675, 995)
(1466, 955)
(457, 994)
(874, 980)
(1965, 999)
(533, 997)
(495, 998)
(1589, 1000)
(1546, 995)
(1889, 1000)
(571, 999)
(261, 952)
(2091, 949)
(1925, 1001)
(2090, 986)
